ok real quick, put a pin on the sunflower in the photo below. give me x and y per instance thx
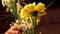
(34, 10)
(40, 8)
(25, 12)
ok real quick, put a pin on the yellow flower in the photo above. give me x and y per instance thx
(40, 6)
(41, 9)
(25, 12)
(37, 10)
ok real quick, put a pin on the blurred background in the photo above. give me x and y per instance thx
(49, 24)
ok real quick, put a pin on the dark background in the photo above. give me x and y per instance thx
(49, 24)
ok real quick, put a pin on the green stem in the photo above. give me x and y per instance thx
(32, 22)
(14, 8)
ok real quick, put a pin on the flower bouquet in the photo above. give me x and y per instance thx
(28, 16)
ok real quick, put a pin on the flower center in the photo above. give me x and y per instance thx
(34, 13)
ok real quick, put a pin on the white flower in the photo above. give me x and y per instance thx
(11, 10)
(3, 3)
(29, 26)
(23, 27)
(17, 21)
(6, 3)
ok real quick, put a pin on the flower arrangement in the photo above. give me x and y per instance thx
(28, 17)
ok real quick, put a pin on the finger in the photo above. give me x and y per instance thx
(15, 28)
(12, 32)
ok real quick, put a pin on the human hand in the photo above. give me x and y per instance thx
(14, 30)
